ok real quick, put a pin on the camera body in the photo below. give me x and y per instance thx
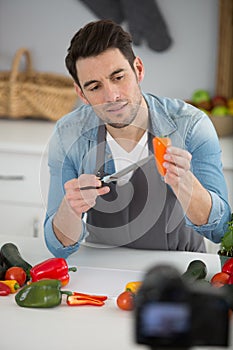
(171, 313)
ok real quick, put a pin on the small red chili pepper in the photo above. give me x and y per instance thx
(53, 268)
(4, 289)
(75, 300)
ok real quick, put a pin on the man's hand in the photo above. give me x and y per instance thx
(81, 199)
(177, 162)
(190, 192)
(67, 221)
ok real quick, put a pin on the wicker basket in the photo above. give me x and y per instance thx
(34, 94)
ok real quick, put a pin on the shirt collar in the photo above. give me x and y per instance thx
(161, 124)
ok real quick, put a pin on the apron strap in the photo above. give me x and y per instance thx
(101, 145)
(100, 153)
(150, 144)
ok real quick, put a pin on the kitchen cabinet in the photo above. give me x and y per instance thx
(23, 176)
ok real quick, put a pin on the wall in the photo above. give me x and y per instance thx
(46, 27)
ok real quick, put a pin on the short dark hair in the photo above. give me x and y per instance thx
(95, 38)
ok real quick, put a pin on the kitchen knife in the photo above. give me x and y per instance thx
(117, 175)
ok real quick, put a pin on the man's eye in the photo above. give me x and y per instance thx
(93, 88)
(119, 77)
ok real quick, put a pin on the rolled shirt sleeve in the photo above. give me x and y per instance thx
(217, 222)
(54, 245)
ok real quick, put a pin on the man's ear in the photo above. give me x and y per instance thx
(139, 68)
(80, 93)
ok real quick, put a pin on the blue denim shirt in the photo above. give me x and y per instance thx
(72, 152)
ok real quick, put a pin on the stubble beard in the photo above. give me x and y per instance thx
(132, 114)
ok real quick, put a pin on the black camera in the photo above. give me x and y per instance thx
(171, 313)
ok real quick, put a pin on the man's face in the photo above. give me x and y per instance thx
(111, 86)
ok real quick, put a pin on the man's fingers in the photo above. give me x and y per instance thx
(178, 152)
(82, 200)
(177, 157)
(84, 180)
(103, 190)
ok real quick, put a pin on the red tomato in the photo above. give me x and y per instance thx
(125, 300)
(219, 279)
(16, 273)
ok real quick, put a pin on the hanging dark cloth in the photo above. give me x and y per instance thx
(144, 19)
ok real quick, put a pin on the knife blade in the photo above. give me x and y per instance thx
(132, 167)
(117, 175)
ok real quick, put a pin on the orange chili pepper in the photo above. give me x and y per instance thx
(13, 284)
(160, 145)
(133, 286)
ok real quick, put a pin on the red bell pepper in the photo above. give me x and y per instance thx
(230, 281)
(53, 268)
(4, 289)
(228, 266)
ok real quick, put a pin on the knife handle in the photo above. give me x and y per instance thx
(93, 187)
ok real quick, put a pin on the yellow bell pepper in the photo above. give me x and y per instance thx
(133, 286)
(13, 284)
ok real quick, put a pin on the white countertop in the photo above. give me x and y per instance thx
(100, 271)
(27, 136)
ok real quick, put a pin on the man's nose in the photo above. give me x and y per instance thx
(111, 93)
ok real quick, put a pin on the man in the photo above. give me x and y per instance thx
(114, 128)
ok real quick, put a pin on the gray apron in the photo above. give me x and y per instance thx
(144, 213)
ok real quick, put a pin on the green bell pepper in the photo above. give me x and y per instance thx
(41, 294)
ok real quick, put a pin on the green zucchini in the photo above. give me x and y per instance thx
(2, 272)
(2, 269)
(11, 256)
(196, 270)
